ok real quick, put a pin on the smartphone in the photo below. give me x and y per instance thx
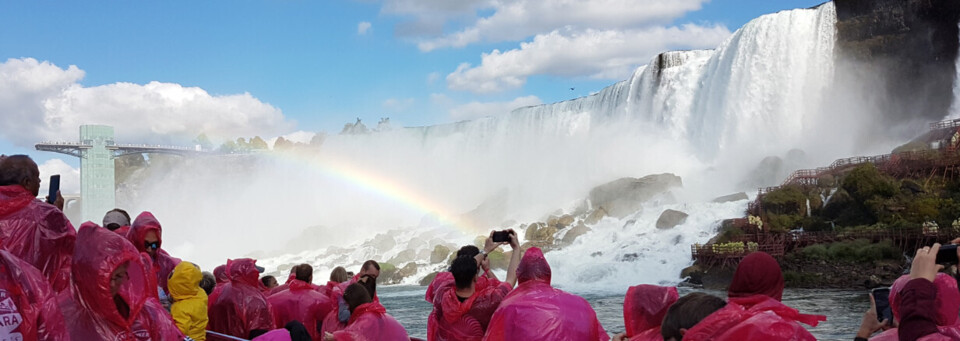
(882, 297)
(947, 254)
(54, 188)
(501, 236)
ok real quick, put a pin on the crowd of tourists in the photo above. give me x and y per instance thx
(116, 282)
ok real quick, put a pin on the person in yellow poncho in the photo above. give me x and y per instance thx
(189, 308)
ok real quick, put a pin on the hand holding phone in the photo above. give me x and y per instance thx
(881, 297)
(54, 188)
(501, 236)
(948, 254)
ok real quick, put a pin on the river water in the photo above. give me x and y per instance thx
(843, 309)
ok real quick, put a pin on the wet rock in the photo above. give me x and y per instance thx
(596, 254)
(670, 219)
(439, 254)
(382, 243)
(630, 257)
(408, 270)
(595, 216)
(387, 271)
(429, 278)
(403, 257)
(732, 197)
(540, 233)
(626, 196)
(574, 233)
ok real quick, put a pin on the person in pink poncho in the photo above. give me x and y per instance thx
(369, 320)
(534, 310)
(643, 310)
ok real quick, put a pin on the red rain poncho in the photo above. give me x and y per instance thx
(947, 307)
(220, 273)
(240, 307)
(163, 263)
(37, 233)
(445, 280)
(28, 306)
(302, 302)
(644, 308)
(757, 317)
(757, 274)
(88, 307)
(370, 322)
(537, 311)
(468, 320)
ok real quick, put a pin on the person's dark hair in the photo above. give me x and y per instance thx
(370, 284)
(256, 332)
(293, 270)
(687, 312)
(298, 332)
(355, 295)
(339, 275)
(266, 280)
(369, 263)
(208, 282)
(14, 169)
(305, 273)
(468, 250)
(464, 270)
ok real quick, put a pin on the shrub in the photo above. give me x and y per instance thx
(816, 252)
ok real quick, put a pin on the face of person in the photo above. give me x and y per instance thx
(117, 278)
(272, 283)
(151, 242)
(371, 271)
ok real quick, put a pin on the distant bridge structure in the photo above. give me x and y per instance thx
(96, 150)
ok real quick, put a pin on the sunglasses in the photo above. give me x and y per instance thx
(152, 245)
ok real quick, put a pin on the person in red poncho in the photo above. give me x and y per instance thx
(117, 220)
(338, 318)
(106, 299)
(643, 310)
(488, 278)
(301, 302)
(147, 235)
(369, 320)
(461, 310)
(945, 309)
(241, 308)
(753, 310)
(537, 311)
(27, 300)
(31, 229)
(220, 273)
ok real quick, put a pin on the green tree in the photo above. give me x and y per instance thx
(258, 143)
(203, 141)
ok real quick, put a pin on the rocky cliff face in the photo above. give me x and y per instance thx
(913, 42)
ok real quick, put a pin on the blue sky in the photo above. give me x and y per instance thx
(311, 63)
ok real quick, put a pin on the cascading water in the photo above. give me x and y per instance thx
(708, 116)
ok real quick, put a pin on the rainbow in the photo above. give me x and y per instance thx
(342, 169)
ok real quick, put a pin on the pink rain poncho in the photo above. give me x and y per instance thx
(446, 278)
(947, 309)
(28, 306)
(757, 317)
(163, 263)
(37, 233)
(644, 308)
(240, 306)
(370, 322)
(89, 308)
(468, 320)
(301, 302)
(537, 311)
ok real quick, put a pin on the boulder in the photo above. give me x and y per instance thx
(408, 270)
(403, 257)
(732, 197)
(382, 243)
(670, 219)
(595, 216)
(387, 271)
(540, 233)
(572, 235)
(499, 259)
(625, 196)
(428, 279)
(439, 254)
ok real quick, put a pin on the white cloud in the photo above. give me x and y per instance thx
(475, 110)
(69, 177)
(518, 19)
(41, 101)
(433, 77)
(605, 54)
(363, 27)
(398, 104)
